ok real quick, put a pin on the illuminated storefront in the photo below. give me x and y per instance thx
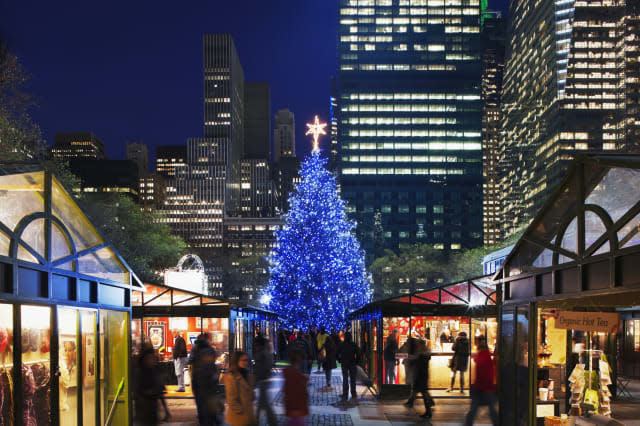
(161, 312)
(64, 309)
(436, 316)
(571, 301)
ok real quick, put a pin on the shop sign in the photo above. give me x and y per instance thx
(602, 322)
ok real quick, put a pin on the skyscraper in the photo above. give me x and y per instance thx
(168, 158)
(284, 135)
(139, 154)
(493, 44)
(570, 86)
(73, 145)
(333, 126)
(410, 120)
(257, 121)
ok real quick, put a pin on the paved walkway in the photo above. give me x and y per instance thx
(327, 411)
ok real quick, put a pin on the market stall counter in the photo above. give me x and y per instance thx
(449, 318)
(161, 313)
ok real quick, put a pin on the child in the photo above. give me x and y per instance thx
(296, 396)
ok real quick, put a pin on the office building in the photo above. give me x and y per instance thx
(139, 154)
(571, 82)
(248, 241)
(410, 120)
(152, 192)
(333, 127)
(284, 135)
(168, 158)
(285, 178)
(72, 145)
(257, 121)
(257, 190)
(493, 45)
(106, 176)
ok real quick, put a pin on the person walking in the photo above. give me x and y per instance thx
(390, 362)
(331, 352)
(148, 387)
(321, 339)
(460, 360)
(204, 378)
(263, 363)
(238, 386)
(282, 345)
(484, 388)
(349, 358)
(296, 395)
(301, 344)
(409, 347)
(179, 358)
(421, 379)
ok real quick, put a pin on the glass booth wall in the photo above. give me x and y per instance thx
(36, 364)
(68, 368)
(6, 360)
(114, 367)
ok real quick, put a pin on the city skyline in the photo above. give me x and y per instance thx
(70, 100)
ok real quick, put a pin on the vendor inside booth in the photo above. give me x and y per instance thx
(464, 310)
(161, 313)
(64, 309)
(571, 290)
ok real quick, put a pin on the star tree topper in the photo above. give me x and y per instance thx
(316, 129)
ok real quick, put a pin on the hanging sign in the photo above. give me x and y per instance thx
(602, 322)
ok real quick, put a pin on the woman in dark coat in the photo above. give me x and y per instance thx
(460, 360)
(421, 378)
(331, 351)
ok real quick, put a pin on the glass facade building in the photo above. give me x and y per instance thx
(410, 120)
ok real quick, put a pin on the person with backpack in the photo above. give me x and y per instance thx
(349, 357)
(460, 360)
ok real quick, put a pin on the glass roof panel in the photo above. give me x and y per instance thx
(153, 291)
(33, 235)
(565, 203)
(478, 297)
(523, 260)
(617, 191)
(185, 299)
(447, 299)
(417, 301)
(59, 245)
(155, 300)
(216, 301)
(66, 266)
(593, 227)
(4, 244)
(20, 195)
(81, 229)
(136, 298)
(25, 255)
(544, 260)
(570, 237)
(461, 290)
(431, 295)
(103, 263)
(605, 248)
(633, 226)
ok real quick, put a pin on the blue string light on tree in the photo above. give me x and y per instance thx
(317, 272)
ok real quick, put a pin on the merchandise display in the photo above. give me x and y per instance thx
(36, 375)
(6, 365)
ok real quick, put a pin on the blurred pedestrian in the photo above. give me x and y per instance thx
(179, 358)
(204, 378)
(148, 387)
(296, 395)
(349, 357)
(263, 363)
(460, 360)
(320, 339)
(301, 344)
(238, 385)
(282, 345)
(390, 361)
(421, 378)
(409, 347)
(331, 353)
(484, 388)
(293, 336)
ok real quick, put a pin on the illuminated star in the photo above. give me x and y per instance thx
(316, 129)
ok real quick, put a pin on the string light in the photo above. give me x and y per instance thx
(316, 129)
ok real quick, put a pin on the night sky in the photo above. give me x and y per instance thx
(132, 70)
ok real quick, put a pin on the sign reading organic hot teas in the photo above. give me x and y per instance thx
(602, 322)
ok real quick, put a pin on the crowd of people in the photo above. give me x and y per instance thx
(243, 379)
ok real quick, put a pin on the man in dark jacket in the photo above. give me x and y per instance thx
(460, 360)
(263, 363)
(349, 356)
(301, 344)
(421, 378)
(204, 377)
(179, 358)
(390, 351)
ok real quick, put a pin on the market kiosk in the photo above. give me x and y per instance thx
(161, 311)
(571, 298)
(64, 309)
(437, 316)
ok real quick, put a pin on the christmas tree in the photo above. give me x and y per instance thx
(317, 268)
